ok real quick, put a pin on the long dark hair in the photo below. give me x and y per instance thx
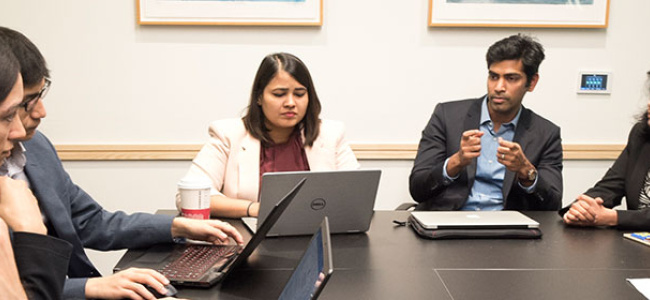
(270, 66)
(9, 70)
(643, 117)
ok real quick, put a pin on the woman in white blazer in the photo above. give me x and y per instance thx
(281, 131)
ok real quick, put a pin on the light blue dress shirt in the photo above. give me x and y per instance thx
(486, 193)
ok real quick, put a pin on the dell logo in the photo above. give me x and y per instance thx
(318, 204)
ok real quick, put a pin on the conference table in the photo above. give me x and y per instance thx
(392, 262)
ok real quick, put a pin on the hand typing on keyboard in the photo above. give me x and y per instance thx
(213, 231)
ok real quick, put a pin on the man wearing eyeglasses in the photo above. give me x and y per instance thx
(72, 215)
(33, 109)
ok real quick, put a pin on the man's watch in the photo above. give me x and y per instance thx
(532, 175)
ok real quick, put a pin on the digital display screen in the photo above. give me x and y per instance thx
(593, 82)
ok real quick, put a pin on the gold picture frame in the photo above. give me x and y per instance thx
(519, 13)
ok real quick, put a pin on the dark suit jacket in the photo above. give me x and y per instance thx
(42, 262)
(538, 137)
(625, 178)
(75, 217)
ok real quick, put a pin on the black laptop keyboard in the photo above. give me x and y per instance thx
(196, 260)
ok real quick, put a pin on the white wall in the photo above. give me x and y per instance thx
(376, 65)
(372, 62)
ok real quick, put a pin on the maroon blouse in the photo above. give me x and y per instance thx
(286, 157)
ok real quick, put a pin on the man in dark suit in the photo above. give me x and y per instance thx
(492, 153)
(72, 215)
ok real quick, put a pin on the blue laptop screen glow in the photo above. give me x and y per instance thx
(308, 274)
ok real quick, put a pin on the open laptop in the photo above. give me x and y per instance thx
(346, 197)
(203, 265)
(503, 219)
(313, 270)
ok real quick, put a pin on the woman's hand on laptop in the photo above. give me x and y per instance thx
(213, 231)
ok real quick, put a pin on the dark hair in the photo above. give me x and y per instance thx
(270, 66)
(33, 67)
(647, 85)
(9, 69)
(643, 116)
(518, 47)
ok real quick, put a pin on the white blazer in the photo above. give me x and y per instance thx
(231, 157)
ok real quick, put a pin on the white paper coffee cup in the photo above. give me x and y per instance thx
(194, 197)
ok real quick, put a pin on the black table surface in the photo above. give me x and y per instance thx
(392, 262)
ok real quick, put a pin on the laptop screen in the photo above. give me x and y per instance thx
(267, 224)
(313, 270)
(349, 206)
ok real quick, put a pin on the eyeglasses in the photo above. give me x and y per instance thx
(29, 102)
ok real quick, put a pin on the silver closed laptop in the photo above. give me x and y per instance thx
(504, 219)
(347, 198)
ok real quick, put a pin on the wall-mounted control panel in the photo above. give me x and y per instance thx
(595, 83)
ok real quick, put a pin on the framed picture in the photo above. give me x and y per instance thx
(230, 12)
(519, 13)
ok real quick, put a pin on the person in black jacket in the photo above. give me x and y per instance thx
(491, 152)
(629, 177)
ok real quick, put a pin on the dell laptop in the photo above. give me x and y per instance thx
(346, 197)
(203, 265)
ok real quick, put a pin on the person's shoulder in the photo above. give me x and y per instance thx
(39, 140)
(39, 148)
(538, 121)
(228, 123)
(462, 102)
(460, 105)
(639, 128)
(640, 131)
(38, 137)
(228, 127)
